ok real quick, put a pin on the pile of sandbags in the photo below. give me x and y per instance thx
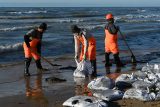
(147, 84)
(144, 84)
(140, 84)
(145, 87)
(139, 94)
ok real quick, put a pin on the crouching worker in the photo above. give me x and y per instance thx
(111, 43)
(32, 47)
(88, 46)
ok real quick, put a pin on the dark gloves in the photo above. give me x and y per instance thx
(27, 40)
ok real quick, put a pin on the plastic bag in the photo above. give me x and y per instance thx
(83, 69)
(140, 75)
(84, 101)
(126, 78)
(158, 85)
(139, 94)
(153, 68)
(125, 81)
(109, 95)
(157, 96)
(142, 85)
(101, 83)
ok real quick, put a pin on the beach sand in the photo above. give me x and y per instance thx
(35, 91)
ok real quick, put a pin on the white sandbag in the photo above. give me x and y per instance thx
(138, 94)
(142, 85)
(128, 78)
(158, 75)
(151, 76)
(158, 85)
(84, 101)
(150, 81)
(140, 75)
(109, 95)
(154, 68)
(101, 83)
(148, 68)
(83, 69)
(158, 96)
(158, 91)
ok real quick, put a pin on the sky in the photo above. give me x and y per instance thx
(79, 3)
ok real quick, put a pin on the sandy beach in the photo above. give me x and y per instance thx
(43, 90)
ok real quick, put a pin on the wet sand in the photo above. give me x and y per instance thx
(35, 91)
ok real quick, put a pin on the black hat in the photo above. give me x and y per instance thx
(75, 29)
(43, 26)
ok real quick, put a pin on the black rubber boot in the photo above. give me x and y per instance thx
(38, 64)
(94, 66)
(26, 68)
(107, 70)
(117, 60)
(107, 64)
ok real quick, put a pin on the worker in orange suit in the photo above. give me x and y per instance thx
(32, 47)
(111, 43)
(88, 46)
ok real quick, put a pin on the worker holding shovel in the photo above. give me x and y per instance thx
(32, 47)
(111, 43)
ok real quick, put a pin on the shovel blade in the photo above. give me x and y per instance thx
(133, 59)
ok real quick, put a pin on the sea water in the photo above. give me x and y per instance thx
(140, 25)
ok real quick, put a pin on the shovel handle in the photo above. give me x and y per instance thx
(133, 58)
(42, 57)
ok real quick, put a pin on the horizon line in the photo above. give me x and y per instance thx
(83, 6)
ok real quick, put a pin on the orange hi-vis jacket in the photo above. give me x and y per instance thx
(33, 46)
(33, 40)
(91, 49)
(111, 44)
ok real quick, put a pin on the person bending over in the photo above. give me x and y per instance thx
(88, 46)
(32, 47)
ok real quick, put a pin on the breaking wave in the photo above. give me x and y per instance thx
(131, 16)
(15, 28)
(28, 12)
(141, 10)
(67, 20)
(138, 21)
(10, 48)
(25, 17)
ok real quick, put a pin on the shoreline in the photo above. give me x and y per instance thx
(123, 53)
(53, 58)
(35, 91)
